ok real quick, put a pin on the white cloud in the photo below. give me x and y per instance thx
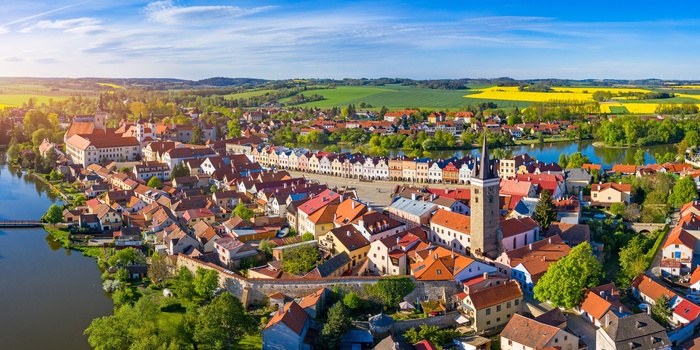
(165, 12)
(67, 25)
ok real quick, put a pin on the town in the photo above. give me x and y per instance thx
(347, 250)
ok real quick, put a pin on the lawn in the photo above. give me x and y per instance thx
(16, 100)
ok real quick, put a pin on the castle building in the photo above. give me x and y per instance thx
(485, 232)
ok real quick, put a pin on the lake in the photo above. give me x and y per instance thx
(48, 295)
(549, 152)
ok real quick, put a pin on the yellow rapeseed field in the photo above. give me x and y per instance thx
(511, 93)
(113, 86)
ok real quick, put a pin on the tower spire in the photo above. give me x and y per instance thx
(485, 171)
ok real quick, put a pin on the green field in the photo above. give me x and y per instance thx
(397, 97)
(16, 100)
(247, 94)
(618, 110)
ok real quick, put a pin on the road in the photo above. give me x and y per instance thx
(376, 193)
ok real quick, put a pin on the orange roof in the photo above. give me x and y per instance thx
(651, 288)
(80, 128)
(695, 277)
(680, 236)
(594, 305)
(624, 168)
(440, 265)
(536, 257)
(495, 295)
(451, 220)
(528, 332)
(348, 211)
(292, 315)
(616, 186)
(311, 299)
(690, 206)
(324, 215)
(514, 227)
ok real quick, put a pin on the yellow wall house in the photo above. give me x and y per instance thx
(493, 307)
(346, 239)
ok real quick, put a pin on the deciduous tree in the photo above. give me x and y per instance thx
(337, 324)
(564, 282)
(392, 289)
(154, 182)
(683, 191)
(223, 323)
(53, 215)
(243, 212)
(300, 260)
(205, 282)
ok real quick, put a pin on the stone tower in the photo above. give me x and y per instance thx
(100, 117)
(485, 231)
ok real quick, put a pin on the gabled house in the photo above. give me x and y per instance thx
(179, 242)
(313, 303)
(610, 192)
(205, 235)
(493, 307)
(598, 301)
(524, 333)
(638, 331)
(440, 264)
(411, 212)
(678, 250)
(389, 256)
(376, 226)
(528, 263)
(231, 251)
(450, 230)
(287, 329)
(518, 232)
(345, 239)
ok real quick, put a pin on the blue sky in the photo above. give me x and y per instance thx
(279, 39)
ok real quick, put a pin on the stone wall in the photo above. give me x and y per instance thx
(255, 290)
(442, 321)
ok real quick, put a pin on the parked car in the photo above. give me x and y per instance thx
(643, 307)
(693, 298)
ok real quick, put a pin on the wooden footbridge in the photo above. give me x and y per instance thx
(20, 223)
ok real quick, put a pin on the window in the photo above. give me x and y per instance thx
(488, 311)
(498, 308)
(517, 302)
(439, 272)
(508, 305)
(488, 323)
(498, 319)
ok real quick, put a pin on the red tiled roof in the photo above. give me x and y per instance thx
(454, 221)
(292, 315)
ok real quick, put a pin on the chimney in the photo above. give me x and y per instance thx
(349, 234)
(544, 258)
(550, 240)
(335, 216)
(530, 246)
(620, 310)
(446, 191)
(607, 320)
(361, 222)
(353, 204)
(435, 256)
(413, 196)
(486, 275)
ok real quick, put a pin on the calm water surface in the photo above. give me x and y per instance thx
(549, 152)
(48, 295)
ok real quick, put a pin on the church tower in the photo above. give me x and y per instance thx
(485, 232)
(100, 117)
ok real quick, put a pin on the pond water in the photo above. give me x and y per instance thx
(48, 295)
(549, 152)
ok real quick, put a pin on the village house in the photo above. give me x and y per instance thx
(231, 251)
(609, 192)
(345, 239)
(450, 230)
(527, 264)
(287, 329)
(374, 226)
(411, 212)
(151, 169)
(89, 149)
(677, 252)
(389, 256)
(493, 307)
(524, 333)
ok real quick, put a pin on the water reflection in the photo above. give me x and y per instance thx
(549, 152)
(54, 245)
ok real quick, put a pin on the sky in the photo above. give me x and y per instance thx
(278, 39)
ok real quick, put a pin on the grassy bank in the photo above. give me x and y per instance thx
(62, 236)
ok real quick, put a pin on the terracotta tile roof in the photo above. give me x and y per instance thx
(651, 288)
(680, 236)
(454, 221)
(528, 332)
(624, 168)
(616, 186)
(440, 264)
(324, 215)
(536, 257)
(348, 211)
(82, 142)
(689, 222)
(322, 199)
(311, 299)
(515, 187)
(693, 205)
(376, 222)
(695, 277)
(292, 315)
(693, 344)
(514, 227)
(495, 295)
(80, 128)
